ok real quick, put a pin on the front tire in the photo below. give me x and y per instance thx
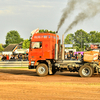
(85, 71)
(42, 70)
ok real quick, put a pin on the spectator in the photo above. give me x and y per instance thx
(26, 57)
(7, 57)
(73, 57)
(99, 56)
(79, 56)
(12, 58)
(82, 56)
(20, 57)
(0, 57)
(16, 57)
(68, 56)
(23, 57)
(65, 56)
(4, 57)
(76, 56)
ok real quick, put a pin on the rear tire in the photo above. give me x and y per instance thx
(85, 71)
(42, 70)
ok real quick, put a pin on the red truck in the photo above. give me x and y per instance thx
(46, 56)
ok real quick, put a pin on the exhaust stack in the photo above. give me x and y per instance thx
(56, 48)
(63, 47)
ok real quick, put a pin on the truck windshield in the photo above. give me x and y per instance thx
(36, 45)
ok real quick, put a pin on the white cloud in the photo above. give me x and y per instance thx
(21, 6)
(42, 6)
(6, 12)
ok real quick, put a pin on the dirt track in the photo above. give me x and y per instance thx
(24, 84)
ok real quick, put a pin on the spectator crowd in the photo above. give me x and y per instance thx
(18, 57)
(73, 56)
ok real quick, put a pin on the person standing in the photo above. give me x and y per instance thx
(79, 56)
(68, 56)
(7, 57)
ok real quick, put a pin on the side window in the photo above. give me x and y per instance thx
(36, 45)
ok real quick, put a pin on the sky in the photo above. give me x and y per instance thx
(26, 15)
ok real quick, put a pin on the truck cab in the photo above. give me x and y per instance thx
(42, 49)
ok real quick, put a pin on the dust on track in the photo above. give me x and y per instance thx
(24, 84)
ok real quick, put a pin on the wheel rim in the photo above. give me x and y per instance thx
(41, 70)
(85, 71)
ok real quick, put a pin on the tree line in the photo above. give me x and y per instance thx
(77, 39)
(13, 37)
(80, 37)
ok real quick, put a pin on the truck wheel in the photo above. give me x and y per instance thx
(42, 70)
(85, 71)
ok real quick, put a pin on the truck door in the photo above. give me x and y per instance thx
(37, 51)
(46, 50)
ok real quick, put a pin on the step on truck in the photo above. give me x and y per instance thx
(46, 55)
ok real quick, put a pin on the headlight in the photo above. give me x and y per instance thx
(32, 63)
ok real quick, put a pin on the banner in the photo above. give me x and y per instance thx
(94, 46)
(68, 45)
